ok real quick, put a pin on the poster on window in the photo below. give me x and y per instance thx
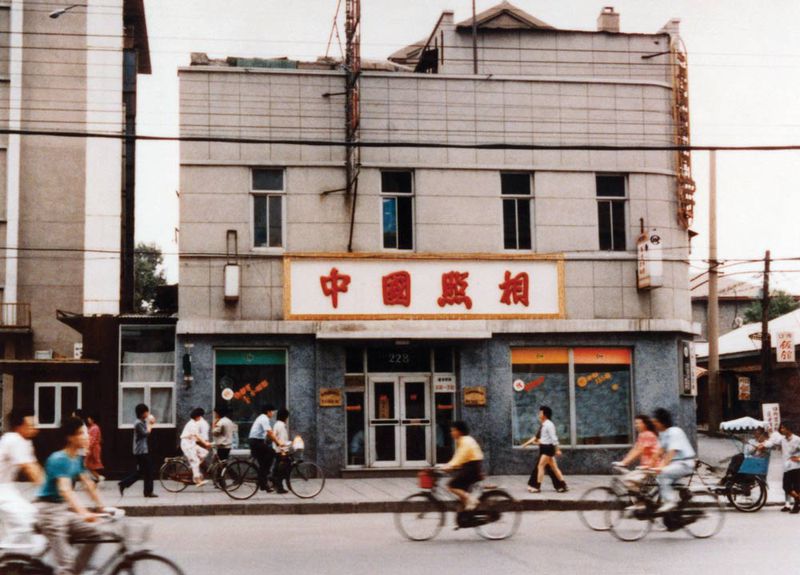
(602, 396)
(540, 376)
(744, 388)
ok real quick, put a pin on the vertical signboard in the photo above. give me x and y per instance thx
(784, 349)
(771, 414)
(744, 388)
(689, 371)
(650, 264)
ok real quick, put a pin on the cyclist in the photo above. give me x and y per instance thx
(16, 454)
(677, 458)
(466, 462)
(194, 446)
(645, 451)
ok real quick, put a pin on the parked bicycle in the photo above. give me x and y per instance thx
(422, 515)
(130, 554)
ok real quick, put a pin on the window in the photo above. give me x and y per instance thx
(611, 212)
(53, 402)
(255, 377)
(268, 191)
(516, 191)
(397, 208)
(147, 373)
(588, 389)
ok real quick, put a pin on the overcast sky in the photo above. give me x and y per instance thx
(744, 76)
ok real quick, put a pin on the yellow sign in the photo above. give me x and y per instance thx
(475, 396)
(330, 397)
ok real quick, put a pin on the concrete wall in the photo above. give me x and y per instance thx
(728, 312)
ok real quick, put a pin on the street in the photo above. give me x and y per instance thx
(553, 541)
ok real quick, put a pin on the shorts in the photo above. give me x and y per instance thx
(791, 480)
(547, 449)
(466, 476)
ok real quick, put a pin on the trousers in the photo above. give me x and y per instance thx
(59, 524)
(18, 515)
(264, 456)
(143, 471)
(672, 473)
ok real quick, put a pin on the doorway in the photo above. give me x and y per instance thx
(399, 419)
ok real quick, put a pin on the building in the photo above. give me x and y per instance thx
(740, 371)
(480, 283)
(66, 200)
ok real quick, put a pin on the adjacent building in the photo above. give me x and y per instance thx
(480, 282)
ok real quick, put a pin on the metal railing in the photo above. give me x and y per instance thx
(15, 315)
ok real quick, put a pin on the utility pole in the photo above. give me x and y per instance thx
(474, 40)
(715, 398)
(766, 344)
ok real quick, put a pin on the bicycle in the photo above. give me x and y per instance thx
(593, 505)
(422, 515)
(305, 479)
(176, 475)
(129, 557)
(747, 489)
(699, 511)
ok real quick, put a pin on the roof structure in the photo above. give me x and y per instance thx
(727, 287)
(505, 16)
(740, 342)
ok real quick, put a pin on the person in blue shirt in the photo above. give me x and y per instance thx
(677, 460)
(61, 514)
(260, 439)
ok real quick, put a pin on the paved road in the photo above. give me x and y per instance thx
(551, 542)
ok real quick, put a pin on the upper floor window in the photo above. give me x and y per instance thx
(54, 402)
(516, 191)
(268, 193)
(611, 198)
(397, 190)
(147, 373)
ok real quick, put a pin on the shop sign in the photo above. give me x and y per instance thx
(771, 414)
(744, 388)
(650, 262)
(785, 347)
(330, 397)
(475, 396)
(689, 360)
(366, 286)
(444, 384)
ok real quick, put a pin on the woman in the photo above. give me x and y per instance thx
(281, 445)
(645, 450)
(193, 446)
(547, 440)
(93, 461)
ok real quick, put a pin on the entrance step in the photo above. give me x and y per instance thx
(370, 472)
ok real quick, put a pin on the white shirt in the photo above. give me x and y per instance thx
(281, 431)
(548, 435)
(260, 427)
(789, 448)
(191, 431)
(204, 428)
(15, 451)
(674, 439)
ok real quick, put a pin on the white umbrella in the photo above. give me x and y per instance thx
(742, 424)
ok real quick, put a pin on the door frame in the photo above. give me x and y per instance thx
(426, 380)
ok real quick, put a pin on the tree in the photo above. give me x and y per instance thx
(148, 275)
(780, 303)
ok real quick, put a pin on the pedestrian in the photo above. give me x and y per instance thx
(547, 440)
(789, 444)
(261, 451)
(677, 458)
(141, 452)
(223, 431)
(281, 446)
(645, 450)
(194, 446)
(18, 515)
(94, 460)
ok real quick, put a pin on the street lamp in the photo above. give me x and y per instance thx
(58, 13)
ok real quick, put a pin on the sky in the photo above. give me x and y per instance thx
(744, 60)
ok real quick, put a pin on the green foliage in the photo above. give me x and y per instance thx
(780, 303)
(148, 275)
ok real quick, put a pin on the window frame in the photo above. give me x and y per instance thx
(412, 195)
(58, 386)
(573, 409)
(624, 200)
(267, 193)
(147, 387)
(530, 197)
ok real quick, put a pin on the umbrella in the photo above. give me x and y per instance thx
(742, 424)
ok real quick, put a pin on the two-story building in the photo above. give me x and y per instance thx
(487, 275)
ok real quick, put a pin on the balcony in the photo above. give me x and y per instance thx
(15, 316)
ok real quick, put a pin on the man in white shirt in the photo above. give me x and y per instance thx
(281, 445)
(16, 454)
(677, 460)
(789, 444)
(193, 446)
(547, 440)
(223, 432)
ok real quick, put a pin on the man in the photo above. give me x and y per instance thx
(61, 515)
(789, 444)
(260, 439)
(16, 455)
(547, 440)
(677, 460)
(751, 449)
(141, 452)
(466, 462)
(281, 447)
(193, 444)
(223, 432)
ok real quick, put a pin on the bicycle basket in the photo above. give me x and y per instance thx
(754, 466)
(427, 479)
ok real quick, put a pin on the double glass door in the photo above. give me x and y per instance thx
(399, 421)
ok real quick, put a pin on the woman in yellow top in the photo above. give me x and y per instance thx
(466, 463)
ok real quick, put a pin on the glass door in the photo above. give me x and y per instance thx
(384, 421)
(415, 421)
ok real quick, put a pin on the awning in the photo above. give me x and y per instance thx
(47, 366)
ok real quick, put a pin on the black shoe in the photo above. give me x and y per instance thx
(121, 489)
(795, 509)
(281, 490)
(151, 495)
(785, 509)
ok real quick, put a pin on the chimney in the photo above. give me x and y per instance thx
(608, 20)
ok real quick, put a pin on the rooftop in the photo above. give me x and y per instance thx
(742, 340)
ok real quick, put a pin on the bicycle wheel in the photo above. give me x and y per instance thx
(626, 520)
(306, 479)
(594, 505)
(18, 564)
(420, 517)
(146, 563)
(175, 475)
(497, 503)
(747, 496)
(239, 480)
(705, 511)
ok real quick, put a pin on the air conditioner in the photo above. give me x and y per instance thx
(43, 354)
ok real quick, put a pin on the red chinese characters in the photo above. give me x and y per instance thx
(454, 290)
(515, 289)
(397, 288)
(333, 285)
